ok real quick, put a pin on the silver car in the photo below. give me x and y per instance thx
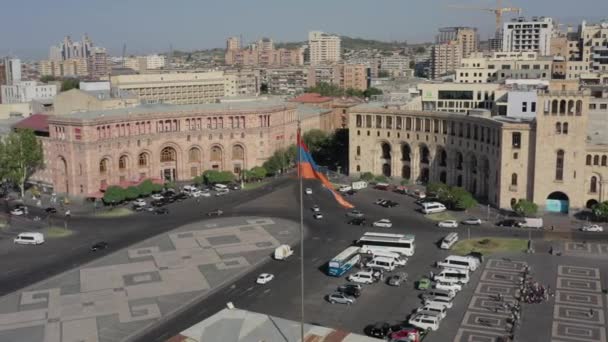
(355, 213)
(472, 221)
(340, 298)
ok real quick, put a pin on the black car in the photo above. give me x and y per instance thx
(180, 197)
(351, 192)
(99, 246)
(158, 203)
(216, 212)
(382, 329)
(161, 211)
(357, 221)
(508, 223)
(352, 290)
(389, 204)
(234, 187)
(50, 210)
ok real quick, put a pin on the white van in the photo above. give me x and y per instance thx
(439, 293)
(396, 257)
(460, 262)
(449, 241)
(387, 264)
(425, 322)
(358, 185)
(189, 189)
(282, 252)
(452, 275)
(345, 188)
(220, 187)
(363, 277)
(532, 223)
(445, 302)
(434, 307)
(432, 208)
(29, 239)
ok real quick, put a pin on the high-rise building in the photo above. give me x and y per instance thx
(75, 67)
(594, 46)
(445, 58)
(98, 63)
(520, 35)
(233, 43)
(70, 58)
(12, 70)
(324, 48)
(466, 37)
(155, 62)
(263, 53)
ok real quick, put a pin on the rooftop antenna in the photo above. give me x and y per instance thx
(170, 53)
(124, 54)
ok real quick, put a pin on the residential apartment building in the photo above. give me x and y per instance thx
(285, 80)
(324, 48)
(76, 67)
(396, 66)
(12, 71)
(75, 59)
(355, 76)
(445, 58)
(594, 46)
(262, 53)
(521, 35)
(154, 62)
(177, 88)
(459, 97)
(233, 43)
(549, 160)
(466, 37)
(248, 81)
(98, 63)
(26, 91)
(499, 66)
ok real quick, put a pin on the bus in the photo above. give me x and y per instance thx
(344, 261)
(371, 243)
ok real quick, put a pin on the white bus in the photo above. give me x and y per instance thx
(374, 243)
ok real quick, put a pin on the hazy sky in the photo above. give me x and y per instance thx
(29, 27)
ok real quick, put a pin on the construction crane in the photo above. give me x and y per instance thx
(498, 11)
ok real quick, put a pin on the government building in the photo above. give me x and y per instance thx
(557, 158)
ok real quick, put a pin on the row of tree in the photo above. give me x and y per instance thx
(328, 89)
(117, 194)
(20, 157)
(455, 198)
(600, 211)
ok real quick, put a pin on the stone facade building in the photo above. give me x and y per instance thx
(548, 160)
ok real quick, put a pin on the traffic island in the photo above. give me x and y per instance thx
(116, 212)
(58, 232)
(487, 245)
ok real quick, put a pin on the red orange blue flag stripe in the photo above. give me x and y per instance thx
(308, 169)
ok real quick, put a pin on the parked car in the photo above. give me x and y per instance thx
(362, 277)
(99, 246)
(264, 278)
(448, 224)
(357, 222)
(509, 223)
(397, 279)
(378, 330)
(234, 186)
(345, 188)
(50, 210)
(317, 216)
(221, 192)
(340, 298)
(423, 284)
(180, 197)
(592, 228)
(157, 196)
(161, 211)
(315, 208)
(355, 213)
(350, 192)
(389, 204)
(159, 202)
(216, 212)
(139, 202)
(452, 286)
(379, 200)
(308, 191)
(472, 221)
(18, 212)
(353, 290)
(385, 223)
(425, 322)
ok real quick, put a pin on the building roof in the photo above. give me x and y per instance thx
(311, 98)
(35, 122)
(237, 325)
(306, 111)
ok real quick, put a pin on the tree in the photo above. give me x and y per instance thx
(441, 190)
(600, 211)
(367, 176)
(369, 92)
(198, 180)
(70, 83)
(315, 140)
(214, 176)
(462, 199)
(146, 188)
(264, 88)
(131, 193)
(113, 195)
(21, 156)
(47, 78)
(381, 179)
(256, 173)
(525, 208)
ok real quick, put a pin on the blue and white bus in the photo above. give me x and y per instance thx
(403, 244)
(344, 261)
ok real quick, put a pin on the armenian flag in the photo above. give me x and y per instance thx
(308, 169)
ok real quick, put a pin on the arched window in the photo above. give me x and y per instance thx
(596, 160)
(216, 153)
(459, 161)
(579, 107)
(167, 155)
(562, 107)
(604, 160)
(593, 185)
(405, 152)
(559, 166)
(554, 105)
(194, 155)
(571, 107)
(103, 165)
(238, 153)
(565, 128)
(143, 159)
(588, 160)
(122, 162)
(514, 179)
(558, 128)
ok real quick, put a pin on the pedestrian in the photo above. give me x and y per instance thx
(552, 227)
(590, 312)
(431, 275)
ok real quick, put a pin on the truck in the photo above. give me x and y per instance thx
(358, 185)
(282, 252)
(532, 223)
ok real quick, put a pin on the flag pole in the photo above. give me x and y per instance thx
(301, 234)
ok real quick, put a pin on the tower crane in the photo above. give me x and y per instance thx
(498, 11)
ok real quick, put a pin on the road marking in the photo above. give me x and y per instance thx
(267, 290)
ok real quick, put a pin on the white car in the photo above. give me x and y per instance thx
(315, 208)
(445, 302)
(317, 216)
(205, 193)
(345, 188)
(385, 223)
(363, 277)
(264, 278)
(425, 322)
(592, 228)
(139, 202)
(472, 221)
(199, 193)
(448, 224)
(17, 212)
(308, 191)
(444, 285)
(157, 197)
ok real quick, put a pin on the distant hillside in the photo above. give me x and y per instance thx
(353, 44)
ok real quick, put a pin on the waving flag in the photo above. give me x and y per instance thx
(308, 169)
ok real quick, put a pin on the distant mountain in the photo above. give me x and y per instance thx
(353, 44)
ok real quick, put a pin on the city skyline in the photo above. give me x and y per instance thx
(196, 25)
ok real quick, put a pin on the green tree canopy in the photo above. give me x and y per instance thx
(256, 173)
(600, 211)
(20, 156)
(462, 199)
(146, 187)
(369, 92)
(131, 193)
(381, 179)
(367, 176)
(525, 208)
(47, 78)
(214, 176)
(114, 194)
(70, 83)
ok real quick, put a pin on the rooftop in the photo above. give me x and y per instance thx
(35, 122)
(311, 98)
(237, 325)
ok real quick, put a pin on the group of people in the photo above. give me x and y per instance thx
(532, 292)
